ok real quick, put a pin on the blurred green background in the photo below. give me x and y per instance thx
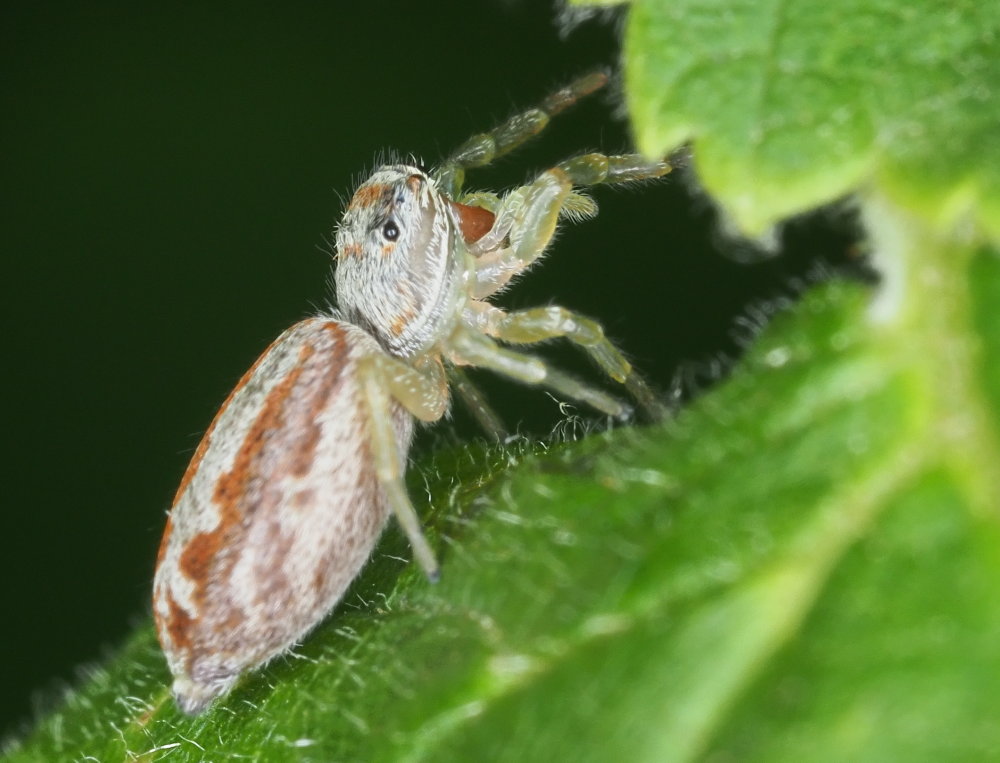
(169, 176)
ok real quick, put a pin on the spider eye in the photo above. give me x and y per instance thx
(390, 231)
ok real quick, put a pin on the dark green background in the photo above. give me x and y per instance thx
(167, 178)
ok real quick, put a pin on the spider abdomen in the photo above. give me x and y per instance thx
(279, 510)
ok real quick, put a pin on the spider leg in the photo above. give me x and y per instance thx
(527, 217)
(425, 395)
(541, 323)
(481, 149)
(474, 400)
(472, 348)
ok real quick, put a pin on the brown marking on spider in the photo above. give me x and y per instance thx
(304, 498)
(179, 625)
(164, 541)
(474, 222)
(401, 321)
(354, 250)
(231, 491)
(199, 554)
(368, 196)
(206, 439)
(303, 451)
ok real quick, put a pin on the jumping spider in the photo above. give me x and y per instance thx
(292, 483)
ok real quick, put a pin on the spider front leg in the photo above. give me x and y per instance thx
(526, 218)
(425, 395)
(541, 323)
(481, 149)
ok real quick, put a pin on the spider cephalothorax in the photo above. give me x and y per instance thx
(399, 260)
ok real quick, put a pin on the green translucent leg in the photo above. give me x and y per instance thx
(485, 416)
(483, 148)
(591, 169)
(423, 392)
(478, 350)
(527, 217)
(388, 460)
(541, 323)
(482, 199)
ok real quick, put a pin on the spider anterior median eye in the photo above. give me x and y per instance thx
(390, 231)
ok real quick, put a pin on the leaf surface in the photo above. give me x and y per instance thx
(791, 103)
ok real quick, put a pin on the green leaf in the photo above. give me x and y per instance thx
(794, 103)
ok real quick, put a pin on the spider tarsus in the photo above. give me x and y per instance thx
(579, 88)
